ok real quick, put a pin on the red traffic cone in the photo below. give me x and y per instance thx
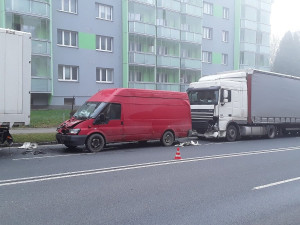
(177, 156)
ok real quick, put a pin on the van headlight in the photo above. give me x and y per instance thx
(74, 131)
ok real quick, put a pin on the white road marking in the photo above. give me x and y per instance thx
(137, 166)
(276, 183)
(52, 156)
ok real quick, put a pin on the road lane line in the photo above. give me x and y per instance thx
(276, 183)
(136, 166)
(53, 156)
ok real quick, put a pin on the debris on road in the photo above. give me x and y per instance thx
(187, 143)
(28, 145)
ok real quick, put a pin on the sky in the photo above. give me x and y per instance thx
(285, 16)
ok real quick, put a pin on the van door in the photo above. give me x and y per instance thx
(112, 126)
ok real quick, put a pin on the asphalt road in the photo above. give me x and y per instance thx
(246, 182)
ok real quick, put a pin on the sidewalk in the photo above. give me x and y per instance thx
(32, 130)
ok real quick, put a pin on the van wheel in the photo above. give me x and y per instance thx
(168, 138)
(271, 131)
(95, 143)
(231, 133)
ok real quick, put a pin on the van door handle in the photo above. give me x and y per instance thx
(122, 123)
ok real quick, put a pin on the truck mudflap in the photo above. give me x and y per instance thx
(5, 136)
(71, 140)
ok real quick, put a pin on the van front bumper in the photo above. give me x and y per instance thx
(71, 140)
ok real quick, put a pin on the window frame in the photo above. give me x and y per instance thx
(225, 13)
(208, 8)
(62, 6)
(100, 69)
(99, 41)
(106, 7)
(224, 59)
(208, 33)
(209, 57)
(70, 38)
(225, 36)
(71, 67)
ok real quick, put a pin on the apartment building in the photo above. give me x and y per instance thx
(80, 47)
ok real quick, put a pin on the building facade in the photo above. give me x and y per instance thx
(81, 47)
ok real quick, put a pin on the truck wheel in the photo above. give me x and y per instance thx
(168, 138)
(271, 131)
(95, 143)
(231, 133)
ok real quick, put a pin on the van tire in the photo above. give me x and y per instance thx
(271, 131)
(168, 138)
(95, 143)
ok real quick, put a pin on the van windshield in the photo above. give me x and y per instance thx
(204, 97)
(89, 110)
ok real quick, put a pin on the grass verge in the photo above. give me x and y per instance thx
(48, 118)
(35, 138)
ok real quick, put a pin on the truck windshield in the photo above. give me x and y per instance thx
(204, 97)
(89, 110)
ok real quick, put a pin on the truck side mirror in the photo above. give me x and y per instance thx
(224, 96)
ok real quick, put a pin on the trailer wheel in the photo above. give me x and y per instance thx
(231, 133)
(271, 131)
(95, 143)
(168, 138)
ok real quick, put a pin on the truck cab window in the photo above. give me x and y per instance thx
(204, 97)
(112, 111)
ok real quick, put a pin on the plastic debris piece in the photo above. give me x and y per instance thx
(28, 145)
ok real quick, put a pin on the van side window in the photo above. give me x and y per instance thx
(113, 111)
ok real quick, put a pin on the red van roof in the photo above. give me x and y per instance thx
(128, 92)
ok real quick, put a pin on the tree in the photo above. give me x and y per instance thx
(287, 60)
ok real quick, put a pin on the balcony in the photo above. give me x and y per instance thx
(28, 7)
(168, 61)
(248, 47)
(191, 10)
(142, 58)
(142, 28)
(168, 87)
(195, 64)
(149, 2)
(41, 47)
(140, 85)
(41, 85)
(169, 33)
(170, 4)
(191, 37)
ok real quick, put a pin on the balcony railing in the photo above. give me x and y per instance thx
(142, 28)
(29, 7)
(41, 47)
(191, 10)
(150, 2)
(170, 4)
(41, 85)
(168, 61)
(191, 64)
(191, 37)
(168, 87)
(169, 33)
(141, 85)
(142, 58)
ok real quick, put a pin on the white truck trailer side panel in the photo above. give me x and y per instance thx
(15, 76)
(275, 97)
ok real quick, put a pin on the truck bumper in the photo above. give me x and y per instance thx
(71, 140)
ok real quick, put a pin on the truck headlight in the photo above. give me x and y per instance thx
(74, 131)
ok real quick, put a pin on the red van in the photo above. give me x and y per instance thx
(124, 115)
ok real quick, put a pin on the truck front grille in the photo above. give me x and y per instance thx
(200, 118)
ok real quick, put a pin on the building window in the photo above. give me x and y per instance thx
(225, 36)
(104, 75)
(207, 8)
(105, 12)
(104, 43)
(135, 76)
(67, 38)
(206, 57)
(225, 13)
(225, 59)
(69, 6)
(162, 78)
(67, 73)
(207, 32)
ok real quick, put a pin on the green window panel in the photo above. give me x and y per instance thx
(87, 41)
(218, 11)
(216, 58)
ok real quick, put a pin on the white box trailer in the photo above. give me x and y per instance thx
(15, 77)
(245, 103)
